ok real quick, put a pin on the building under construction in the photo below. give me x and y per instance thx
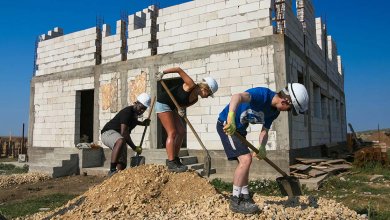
(82, 79)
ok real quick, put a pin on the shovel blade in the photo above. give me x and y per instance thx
(137, 161)
(289, 186)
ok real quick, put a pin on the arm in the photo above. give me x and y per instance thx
(126, 135)
(188, 82)
(236, 99)
(263, 139)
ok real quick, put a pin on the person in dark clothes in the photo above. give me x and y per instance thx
(116, 133)
(186, 94)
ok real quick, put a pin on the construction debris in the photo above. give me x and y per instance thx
(312, 172)
(151, 192)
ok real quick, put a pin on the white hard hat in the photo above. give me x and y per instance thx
(299, 97)
(144, 99)
(213, 85)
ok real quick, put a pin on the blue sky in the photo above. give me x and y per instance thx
(360, 30)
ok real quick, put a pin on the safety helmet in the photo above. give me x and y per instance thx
(213, 85)
(299, 97)
(144, 99)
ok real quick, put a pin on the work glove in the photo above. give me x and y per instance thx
(159, 76)
(181, 112)
(146, 122)
(262, 152)
(230, 126)
(138, 149)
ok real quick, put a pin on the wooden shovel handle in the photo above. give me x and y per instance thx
(150, 113)
(246, 142)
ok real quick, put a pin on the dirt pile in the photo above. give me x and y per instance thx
(15, 179)
(151, 192)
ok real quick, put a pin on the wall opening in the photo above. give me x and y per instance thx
(161, 133)
(84, 118)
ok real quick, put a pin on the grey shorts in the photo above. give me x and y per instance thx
(161, 107)
(109, 138)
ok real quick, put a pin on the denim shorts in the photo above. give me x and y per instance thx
(231, 144)
(161, 107)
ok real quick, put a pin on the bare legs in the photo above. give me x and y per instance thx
(241, 174)
(175, 131)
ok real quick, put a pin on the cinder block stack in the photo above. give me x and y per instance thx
(57, 52)
(202, 23)
(141, 41)
(114, 46)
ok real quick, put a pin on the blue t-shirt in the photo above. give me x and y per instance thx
(258, 111)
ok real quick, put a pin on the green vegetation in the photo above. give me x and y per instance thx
(8, 169)
(28, 207)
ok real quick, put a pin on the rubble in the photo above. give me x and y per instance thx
(14, 179)
(151, 192)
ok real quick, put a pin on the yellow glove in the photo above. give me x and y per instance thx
(138, 150)
(262, 152)
(230, 127)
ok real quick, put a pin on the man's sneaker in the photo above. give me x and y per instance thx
(179, 163)
(174, 167)
(111, 173)
(247, 198)
(241, 205)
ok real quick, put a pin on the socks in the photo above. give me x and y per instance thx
(245, 190)
(236, 191)
(113, 166)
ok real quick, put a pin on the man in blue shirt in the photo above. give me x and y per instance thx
(256, 106)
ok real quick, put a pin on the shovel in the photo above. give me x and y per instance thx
(207, 158)
(137, 159)
(288, 185)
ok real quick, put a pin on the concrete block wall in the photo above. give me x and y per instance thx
(305, 13)
(293, 27)
(141, 41)
(56, 110)
(235, 72)
(202, 23)
(59, 52)
(114, 46)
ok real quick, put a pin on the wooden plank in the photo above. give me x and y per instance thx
(337, 167)
(300, 167)
(335, 161)
(315, 172)
(310, 160)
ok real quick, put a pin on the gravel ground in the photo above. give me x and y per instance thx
(16, 179)
(151, 192)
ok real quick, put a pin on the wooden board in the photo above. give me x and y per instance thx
(337, 167)
(334, 161)
(315, 172)
(300, 167)
(310, 160)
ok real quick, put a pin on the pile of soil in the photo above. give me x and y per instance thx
(151, 192)
(16, 179)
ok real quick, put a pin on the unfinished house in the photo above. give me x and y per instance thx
(83, 79)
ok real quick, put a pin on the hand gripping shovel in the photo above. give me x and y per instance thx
(137, 159)
(288, 185)
(207, 158)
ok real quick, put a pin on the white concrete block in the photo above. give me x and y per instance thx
(247, 25)
(219, 39)
(239, 36)
(216, 23)
(208, 16)
(207, 33)
(190, 20)
(228, 12)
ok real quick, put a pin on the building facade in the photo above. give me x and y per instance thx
(83, 79)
